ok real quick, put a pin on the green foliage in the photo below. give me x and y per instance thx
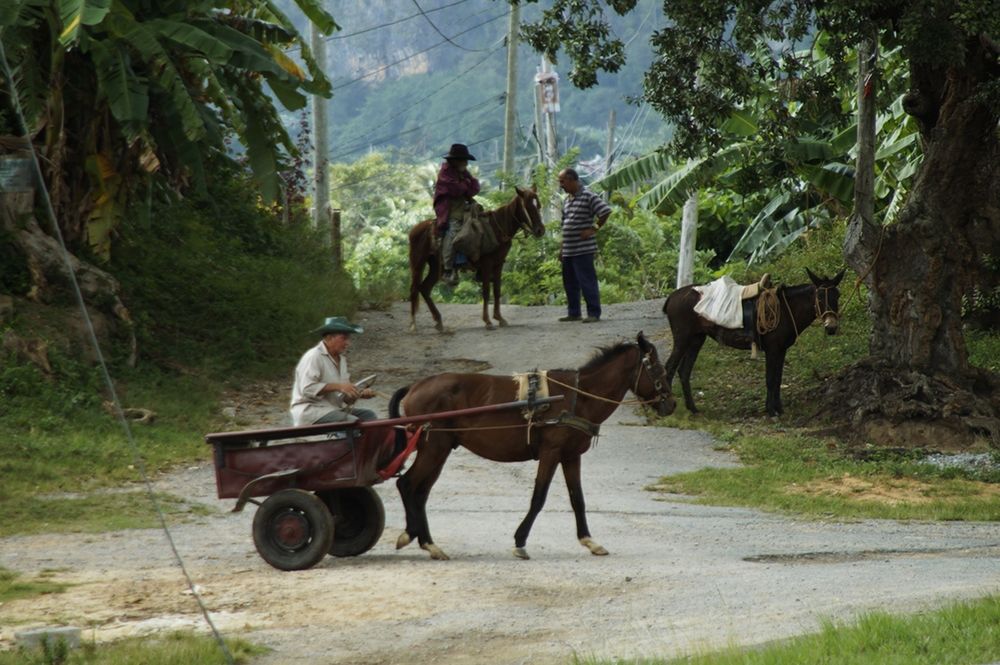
(180, 648)
(209, 278)
(153, 91)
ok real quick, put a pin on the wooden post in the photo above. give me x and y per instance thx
(689, 239)
(336, 241)
(610, 148)
(862, 234)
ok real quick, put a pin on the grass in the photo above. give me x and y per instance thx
(13, 588)
(181, 648)
(811, 476)
(60, 450)
(964, 633)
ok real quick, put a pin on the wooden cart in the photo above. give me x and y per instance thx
(318, 481)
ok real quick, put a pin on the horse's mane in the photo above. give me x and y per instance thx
(607, 353)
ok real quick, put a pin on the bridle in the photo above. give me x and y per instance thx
(525, 221)
(658, 378)
(825, 311)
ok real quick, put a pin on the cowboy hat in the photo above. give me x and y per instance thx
(460, 151)
(338, 324)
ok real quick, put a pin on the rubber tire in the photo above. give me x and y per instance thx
(293, 530)
(358, 517)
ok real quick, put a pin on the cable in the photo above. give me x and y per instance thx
(437, 30)
(413, 105)
(413, 55)
(137, 459)
(385, 139)
(337, 36)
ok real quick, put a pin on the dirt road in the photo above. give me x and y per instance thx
(679, 576)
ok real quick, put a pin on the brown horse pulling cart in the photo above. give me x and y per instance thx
(319, 489)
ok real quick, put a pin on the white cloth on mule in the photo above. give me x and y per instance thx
(721, 302)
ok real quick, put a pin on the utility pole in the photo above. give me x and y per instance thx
(610, 148)
(549, 108)
(511, 100)
(321, 150)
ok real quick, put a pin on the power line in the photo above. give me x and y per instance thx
(361, 146)
(438, 30)
(397, 21)
(363, 31)
(413, 55)
(431, 94)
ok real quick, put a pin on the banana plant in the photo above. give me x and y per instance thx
(157, 87)
(818, 180)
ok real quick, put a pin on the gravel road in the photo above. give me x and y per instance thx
(679, 576)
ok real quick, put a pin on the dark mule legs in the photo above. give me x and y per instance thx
(681, 360)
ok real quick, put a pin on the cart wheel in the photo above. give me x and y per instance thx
(292, 530)
(359, 518)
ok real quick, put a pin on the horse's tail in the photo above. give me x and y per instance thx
(394, 402)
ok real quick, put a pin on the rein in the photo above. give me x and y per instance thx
(820, 312)
(644, 364)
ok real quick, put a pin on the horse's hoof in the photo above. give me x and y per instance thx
(490, 326)
(502, 322)
(403, 540)
(521, 553)
(439, 326)
(594, 548)
(413, 327)
(436, 552)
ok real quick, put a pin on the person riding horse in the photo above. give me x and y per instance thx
(453, 192)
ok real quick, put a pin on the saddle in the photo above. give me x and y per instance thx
(476, 236)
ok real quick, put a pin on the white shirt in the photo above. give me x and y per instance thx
(317, 368)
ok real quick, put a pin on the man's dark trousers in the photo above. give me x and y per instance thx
(579, 275)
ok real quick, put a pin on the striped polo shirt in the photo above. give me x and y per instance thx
(580, 211)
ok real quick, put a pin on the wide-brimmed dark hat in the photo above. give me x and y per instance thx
(460, 151)
(338, 324)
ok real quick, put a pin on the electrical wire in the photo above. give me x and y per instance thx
(385, 139)
(413, 105)
(438, 30)
(413, 55)
(137, 459)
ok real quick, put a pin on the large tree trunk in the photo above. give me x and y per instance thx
(919, 269)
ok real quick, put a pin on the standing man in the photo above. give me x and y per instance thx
(453, 192)
(323, 392)
(583, 213)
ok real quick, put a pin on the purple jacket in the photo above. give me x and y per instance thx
(451, 184)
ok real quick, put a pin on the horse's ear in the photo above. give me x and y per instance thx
(839, 276)
(642, 341)
(520, 192)
(813, 278)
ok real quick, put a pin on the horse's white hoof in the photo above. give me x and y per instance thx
(594, 548)
(521, 553)
(436, 552)
(489, 326)
(403, 540)
(413, 326)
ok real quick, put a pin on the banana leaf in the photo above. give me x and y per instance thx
(74, 14)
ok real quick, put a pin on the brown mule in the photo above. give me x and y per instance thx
(523, 212)
(558, 436)
(797, 307)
